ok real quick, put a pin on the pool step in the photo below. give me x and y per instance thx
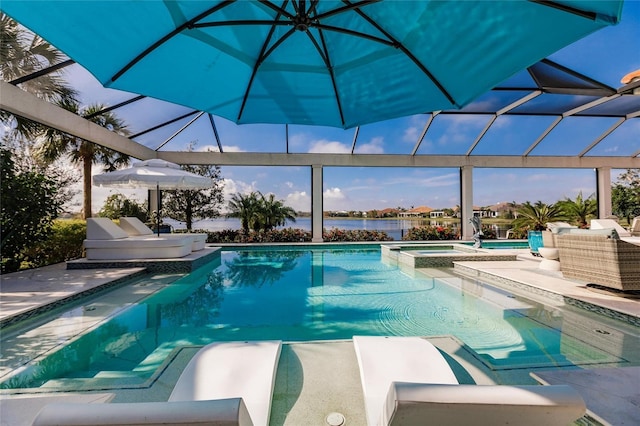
(99, 379)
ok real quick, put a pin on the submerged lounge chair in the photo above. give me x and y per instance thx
(224, 384)
(407, 382)
(107, 241)
(135, 227)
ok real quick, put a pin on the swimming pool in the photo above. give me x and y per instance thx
(296, 294)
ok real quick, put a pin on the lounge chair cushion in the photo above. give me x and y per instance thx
(135, 227)
(229, 370)
(103, 228)
(410, 404)
(225, 412)
(609, 223)
(607, 232)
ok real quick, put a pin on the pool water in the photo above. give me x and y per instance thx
(299, 295)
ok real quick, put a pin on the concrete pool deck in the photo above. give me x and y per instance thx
(313, 379)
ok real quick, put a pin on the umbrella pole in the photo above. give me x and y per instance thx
(158, 209)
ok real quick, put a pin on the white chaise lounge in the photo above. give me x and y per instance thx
(609, 223)
(233, 369)
(407, 382)
(226, 412)
(107, 241)
(224, 384)
(134, 227)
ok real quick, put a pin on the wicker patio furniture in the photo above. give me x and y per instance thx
(600, 259)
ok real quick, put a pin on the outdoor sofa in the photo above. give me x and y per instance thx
(601, 257)
(406, 380)
(107, 241)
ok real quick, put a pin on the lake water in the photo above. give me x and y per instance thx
(395, 228)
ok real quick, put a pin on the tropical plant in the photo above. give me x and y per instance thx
(56, 144)
(29, 204)
(118, 205)
(535, 217)
(579, 210)
(625, 195)
(260, 213)
(246, 208)
(23, 53)
(274, 213)
(187, 205)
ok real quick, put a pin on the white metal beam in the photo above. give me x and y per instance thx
(19, 102)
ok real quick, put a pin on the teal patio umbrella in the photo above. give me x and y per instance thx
(330, 63)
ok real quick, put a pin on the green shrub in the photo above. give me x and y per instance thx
(426, 233)
(64, 243)
(293, 235)
(335, 235)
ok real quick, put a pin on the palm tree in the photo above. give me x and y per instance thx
(536, 216)
(245, 207)
(579, 210)
(23, 53)
(56, 144)
(274, 213)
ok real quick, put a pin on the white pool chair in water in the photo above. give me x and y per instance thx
(224, 384)
(135, 227)
(233, 369)
(407, 382)
(107, 241)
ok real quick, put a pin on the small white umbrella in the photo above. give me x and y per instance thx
(153, 174)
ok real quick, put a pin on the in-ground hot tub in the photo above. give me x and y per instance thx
(441, 255)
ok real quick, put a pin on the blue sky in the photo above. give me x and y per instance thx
(605, 56)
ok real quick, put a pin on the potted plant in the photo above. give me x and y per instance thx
(534, 218)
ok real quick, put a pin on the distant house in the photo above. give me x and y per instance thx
(422, 211)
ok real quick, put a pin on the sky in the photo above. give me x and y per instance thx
(605, 56)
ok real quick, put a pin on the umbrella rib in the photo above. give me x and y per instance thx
(161, 41)
(357, 34)
(347, 8)
(408, 54)
(264, 53)
(327, 61)
(280, 10)
(582, 13)
(240, 22)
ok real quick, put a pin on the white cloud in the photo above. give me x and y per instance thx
(334, 194)
(299, 201)
(325, 146)
(335, 199)
(289, 184)
(372, 147)
(410, 134)
(231, 148)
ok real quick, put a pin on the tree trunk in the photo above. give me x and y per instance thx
(86, 166)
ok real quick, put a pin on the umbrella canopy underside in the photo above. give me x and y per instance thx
(329, 63)
(153, 174)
